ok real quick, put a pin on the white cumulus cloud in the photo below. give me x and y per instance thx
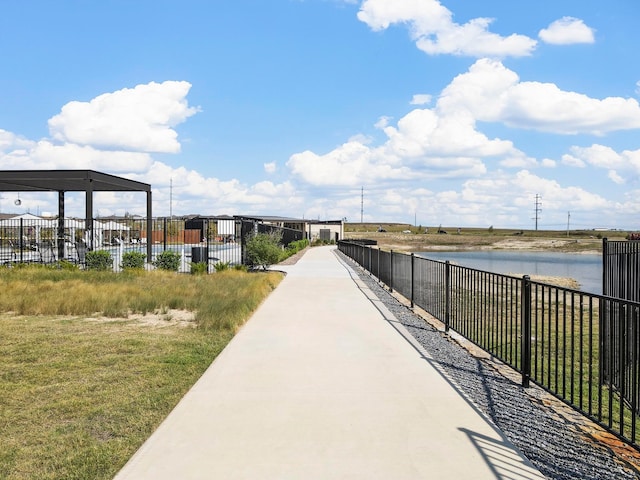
(138, 119)
(270, 167)
(10, 142)
(493, 93)
(421, 99)
(615, 178)
(352, 163)
(621, 166)
(434, 31)
(566, 31)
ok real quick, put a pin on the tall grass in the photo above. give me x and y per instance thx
(222, 300)
(79, 396)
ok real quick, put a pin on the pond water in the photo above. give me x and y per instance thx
(586, 269)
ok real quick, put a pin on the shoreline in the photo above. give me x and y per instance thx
(454, 243)
(464, 242)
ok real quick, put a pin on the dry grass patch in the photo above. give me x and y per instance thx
(79, 393)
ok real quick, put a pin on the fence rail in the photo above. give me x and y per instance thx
(564, 340)
(621, 279)
(209, 240)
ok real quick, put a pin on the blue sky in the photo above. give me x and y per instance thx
(445, 112)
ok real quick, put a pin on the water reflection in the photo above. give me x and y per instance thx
(586, 269)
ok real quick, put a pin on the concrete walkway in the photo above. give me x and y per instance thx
(321, 383)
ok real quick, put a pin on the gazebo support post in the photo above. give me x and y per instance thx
(89, 214)
(60, 234)
(149, 228)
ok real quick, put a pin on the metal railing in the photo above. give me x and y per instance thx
(621, 269)
(563, 340)
(620, 279)
(208, 240)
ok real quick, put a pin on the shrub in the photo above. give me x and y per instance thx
(263, 249)
(99, 260)
(168, 260)
(221, 266)
(198, 268)
(293, 248)
(66, 265)
(133, 260)
(318, 243)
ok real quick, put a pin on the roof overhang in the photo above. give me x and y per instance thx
(67, 181)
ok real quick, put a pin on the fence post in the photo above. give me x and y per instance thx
(605, 272)
(21, 240)
(205, 232)
(526, 331)
(413, 257)
(447, 295)
(391, 271)
(164, 234)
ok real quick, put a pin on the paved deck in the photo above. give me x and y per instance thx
(321, 383)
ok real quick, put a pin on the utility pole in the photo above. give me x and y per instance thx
(171, 197)
(537, 209)
(568, 220)
(362, 205)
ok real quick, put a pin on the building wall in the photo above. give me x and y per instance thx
(336, 228)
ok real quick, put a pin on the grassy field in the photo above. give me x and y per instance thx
(83, 382)
(404, 237)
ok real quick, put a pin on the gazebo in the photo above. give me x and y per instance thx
(62, 181)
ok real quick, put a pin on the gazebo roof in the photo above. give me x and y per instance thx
(66, 181)
(61, 181)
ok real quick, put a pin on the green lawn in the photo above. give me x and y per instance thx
(79, 393)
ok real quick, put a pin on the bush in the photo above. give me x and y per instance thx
(199, 268)
(133, 260)
(293, 248)
(318, 243)
(263, 249)
(168, 260)
(221, 266)
(62, 265)
(99, 260)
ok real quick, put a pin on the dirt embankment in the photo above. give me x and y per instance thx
(410, 242)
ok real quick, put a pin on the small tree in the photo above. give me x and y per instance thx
(263, 249)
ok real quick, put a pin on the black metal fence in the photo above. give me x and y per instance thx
(621, 279)
(209, 240)
(552, 335)
(621, 269)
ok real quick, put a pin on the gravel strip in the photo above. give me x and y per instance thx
(550, 440)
